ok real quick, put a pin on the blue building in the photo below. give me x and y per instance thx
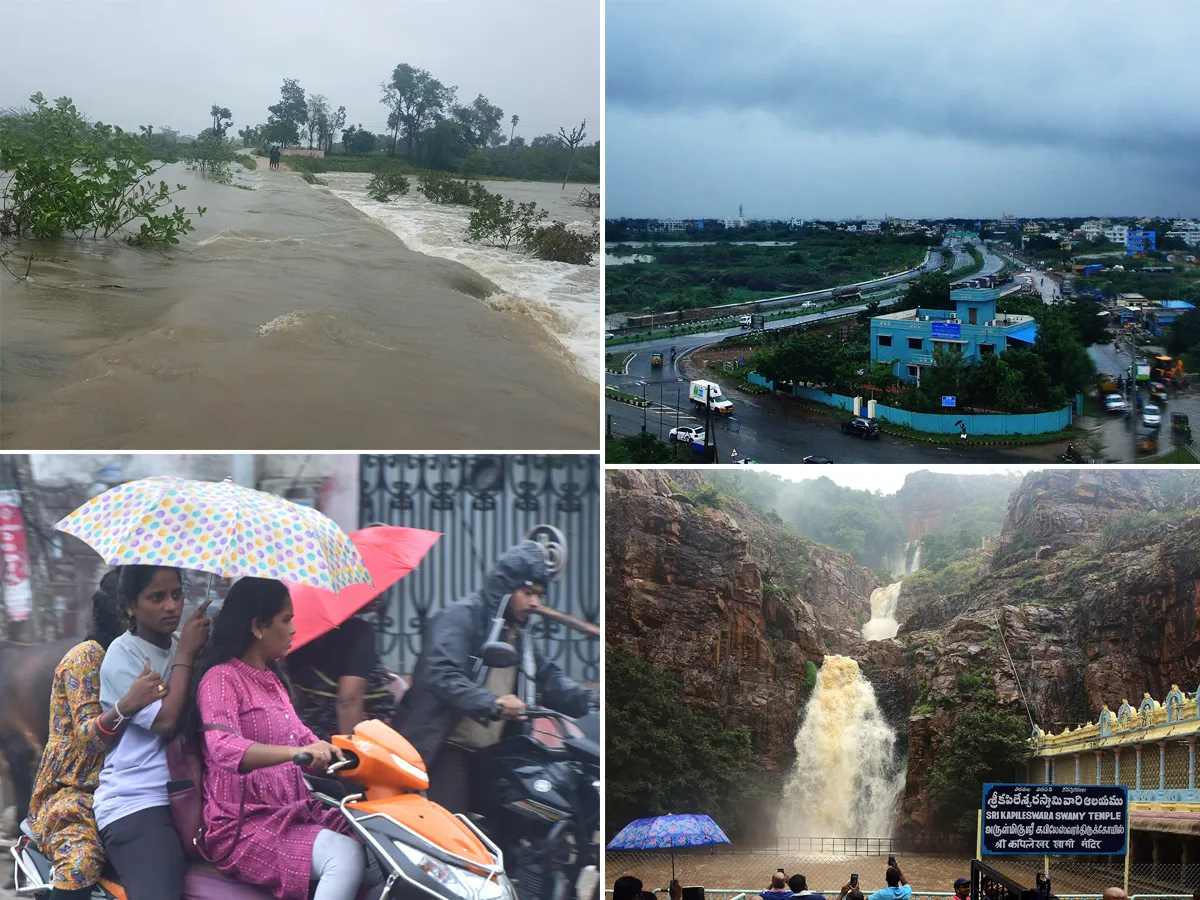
(1139, 242)
(909, 338)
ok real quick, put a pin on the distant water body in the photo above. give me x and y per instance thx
(298, 317)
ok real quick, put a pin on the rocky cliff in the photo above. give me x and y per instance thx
(934, 501)
(727, 599)
(1091, 595)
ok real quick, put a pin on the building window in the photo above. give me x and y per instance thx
(915, 343)
(914, 371)
(885, 340)
(987, 349)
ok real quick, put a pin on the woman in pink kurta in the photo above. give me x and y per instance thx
(262, 825)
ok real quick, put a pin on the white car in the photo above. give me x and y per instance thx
(688, 434)
(608, 335)
(1115, 403)
(1151, 416)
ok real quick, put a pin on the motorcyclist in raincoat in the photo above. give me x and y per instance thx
(449, 712)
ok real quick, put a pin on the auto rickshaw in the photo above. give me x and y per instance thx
(1147, 442)
(1181, 427)
(656, 359)
(1158, 391)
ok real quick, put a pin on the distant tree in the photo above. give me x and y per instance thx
(929, 291)
(571, 142)
(289, 115)
(147, 130)
(335, 122)
(1184, 334)
(222, 119)
(479, 122)
(514, 120)
(358, 142)
(416, 101)
(250, 135)
(318, 117)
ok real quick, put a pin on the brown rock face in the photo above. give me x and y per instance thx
(727, 600)
(1102, 617)
(930, 501)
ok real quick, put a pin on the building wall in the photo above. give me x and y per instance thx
(904, 329)
(1022, 423)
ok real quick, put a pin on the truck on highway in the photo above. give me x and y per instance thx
(700, 392)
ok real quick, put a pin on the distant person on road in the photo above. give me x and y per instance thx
(778, 889)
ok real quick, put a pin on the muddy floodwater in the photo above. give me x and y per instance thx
(290, 318)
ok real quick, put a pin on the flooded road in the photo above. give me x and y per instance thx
(288, 319)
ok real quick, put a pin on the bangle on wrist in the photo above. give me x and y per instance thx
(178, 665)
(103, 730)
(121, 717)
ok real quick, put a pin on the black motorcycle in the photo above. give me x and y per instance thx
(541, 804)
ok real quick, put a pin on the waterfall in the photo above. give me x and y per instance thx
(916, 560)
(883, 622)
(845, 782)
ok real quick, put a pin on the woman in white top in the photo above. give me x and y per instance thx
(130, 804)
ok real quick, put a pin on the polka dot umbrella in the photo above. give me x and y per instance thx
(671, 831)
(217, 527)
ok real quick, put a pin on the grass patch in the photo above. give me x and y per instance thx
(249, 162)
(616, 362)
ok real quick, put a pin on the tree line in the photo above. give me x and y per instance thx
(427, 126)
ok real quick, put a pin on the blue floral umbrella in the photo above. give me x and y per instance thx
(670, 831)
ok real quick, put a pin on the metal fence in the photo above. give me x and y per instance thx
(928, 873)
(483, 505)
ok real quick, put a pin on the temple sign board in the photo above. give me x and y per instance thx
(1055, 819)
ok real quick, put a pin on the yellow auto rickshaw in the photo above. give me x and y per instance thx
(1147, 442)
(656, 359)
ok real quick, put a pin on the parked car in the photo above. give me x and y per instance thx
(688, 434)
(862, 426)
(1151, 416)
(1115, 403)
(608, 335)
(816, 460)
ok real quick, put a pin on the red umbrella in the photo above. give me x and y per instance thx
(389, 552)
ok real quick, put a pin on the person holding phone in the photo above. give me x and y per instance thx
(779, 889)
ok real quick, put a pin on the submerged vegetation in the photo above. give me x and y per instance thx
(66, 176)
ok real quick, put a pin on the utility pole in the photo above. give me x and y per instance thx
(16, 474)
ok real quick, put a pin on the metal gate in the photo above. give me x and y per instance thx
(483, 505)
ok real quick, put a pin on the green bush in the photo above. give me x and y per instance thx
(810, 675)
(210, 155)
(437, 187)
(66, 176)
(707, 496)
(664, 753)
(383, 185)
(987, 745)
(638, 448)
(557, 243)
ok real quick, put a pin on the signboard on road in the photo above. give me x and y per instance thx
(1066, 819)
(949, 401)
(947, 330)
(1143, 371)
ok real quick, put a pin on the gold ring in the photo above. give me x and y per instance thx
(161, 688)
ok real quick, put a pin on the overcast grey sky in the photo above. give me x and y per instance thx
(927, 108)
(165, 62)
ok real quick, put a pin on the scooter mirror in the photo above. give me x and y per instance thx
(499, 655)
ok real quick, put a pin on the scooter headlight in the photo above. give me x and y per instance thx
(460, 881)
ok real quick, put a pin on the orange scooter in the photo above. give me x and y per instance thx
(422, 849)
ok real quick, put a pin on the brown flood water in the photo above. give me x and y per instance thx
(287, 320)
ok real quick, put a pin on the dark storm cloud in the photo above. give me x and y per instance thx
(130, 62)
(1007, 80)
